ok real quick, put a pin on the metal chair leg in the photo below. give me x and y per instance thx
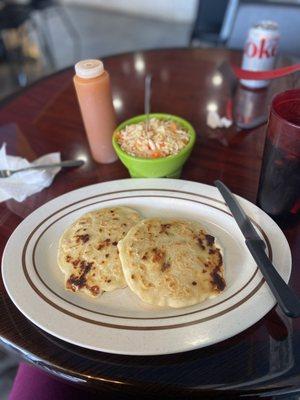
(45, 15)
(22, 76)
(16, 64)
(44, 42)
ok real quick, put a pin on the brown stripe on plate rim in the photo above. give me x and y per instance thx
(126, 327)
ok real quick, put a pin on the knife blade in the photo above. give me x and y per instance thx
(238, 213)
(286, 298)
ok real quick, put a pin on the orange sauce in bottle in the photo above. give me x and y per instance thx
(92, 85)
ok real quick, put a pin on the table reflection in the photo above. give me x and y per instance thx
(265, 358)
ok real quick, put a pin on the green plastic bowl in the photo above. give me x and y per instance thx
(170, 166)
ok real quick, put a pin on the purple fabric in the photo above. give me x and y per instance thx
(32, 383)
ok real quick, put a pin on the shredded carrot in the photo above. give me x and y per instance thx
(156, 154)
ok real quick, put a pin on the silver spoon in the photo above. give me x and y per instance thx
(6, 173)
(147, 99)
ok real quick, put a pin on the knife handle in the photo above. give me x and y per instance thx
(287, 300)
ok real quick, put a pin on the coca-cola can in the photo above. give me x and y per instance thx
(260, 50)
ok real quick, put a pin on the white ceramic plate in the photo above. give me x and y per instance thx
(118, 322)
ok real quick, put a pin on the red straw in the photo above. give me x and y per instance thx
(262, 75)
(229, 113)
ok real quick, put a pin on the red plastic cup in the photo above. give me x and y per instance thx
(279, 187)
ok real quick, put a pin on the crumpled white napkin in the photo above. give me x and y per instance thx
(213, 120)
(24, 184)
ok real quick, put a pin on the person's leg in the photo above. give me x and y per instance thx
(32, 383)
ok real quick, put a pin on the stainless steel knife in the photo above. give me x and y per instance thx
(287, 300)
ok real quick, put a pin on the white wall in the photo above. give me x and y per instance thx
(174, 10)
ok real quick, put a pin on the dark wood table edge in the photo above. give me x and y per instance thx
(132, 387)
(136, 387)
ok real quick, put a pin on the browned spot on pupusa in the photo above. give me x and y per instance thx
(200, 242)
(158, 255)
(210, 240)
(217, 280)
(82, 238)
(165, 266)
(164, 228)
(103, 244)
(220, 260)
(78, 282)
(95, 290)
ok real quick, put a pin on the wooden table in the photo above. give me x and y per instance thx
(44, 118)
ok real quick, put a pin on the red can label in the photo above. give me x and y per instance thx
(263, 49)
(260, 50)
